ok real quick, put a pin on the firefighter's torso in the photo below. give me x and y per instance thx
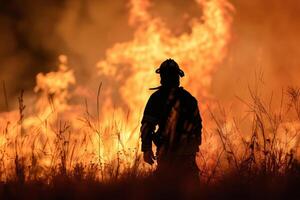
(174, 111)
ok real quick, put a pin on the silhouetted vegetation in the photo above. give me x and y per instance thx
(261, 164)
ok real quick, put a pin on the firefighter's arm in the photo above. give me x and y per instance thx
(147, 130)
(197, 124)
(149, 121)
(198, 128)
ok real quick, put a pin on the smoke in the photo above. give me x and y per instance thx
(265, 45)
(34, 33)
(28, 42)
(177, 15)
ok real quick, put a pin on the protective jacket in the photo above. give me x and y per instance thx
(172, 121)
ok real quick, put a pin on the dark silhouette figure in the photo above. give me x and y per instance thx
(172, 122)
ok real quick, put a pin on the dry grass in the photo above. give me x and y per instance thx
(260, 163)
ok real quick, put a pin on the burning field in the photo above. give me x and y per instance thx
(73, 131)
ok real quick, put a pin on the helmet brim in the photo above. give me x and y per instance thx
(180, 72)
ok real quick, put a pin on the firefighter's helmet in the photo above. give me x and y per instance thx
(169, 66)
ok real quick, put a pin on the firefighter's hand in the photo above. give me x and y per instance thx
(149, 157)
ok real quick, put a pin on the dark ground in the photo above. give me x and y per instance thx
(230, 187)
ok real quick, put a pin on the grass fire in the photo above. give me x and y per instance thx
(76, 77)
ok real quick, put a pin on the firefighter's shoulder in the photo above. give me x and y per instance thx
(156, 95)
(187, 96)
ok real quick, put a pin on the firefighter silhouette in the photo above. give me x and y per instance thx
(173, 123)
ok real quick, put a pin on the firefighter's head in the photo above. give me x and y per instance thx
(170, 73)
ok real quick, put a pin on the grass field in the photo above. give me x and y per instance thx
(46, 161)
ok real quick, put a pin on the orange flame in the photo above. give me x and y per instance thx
(132, 64)
(58, 134)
